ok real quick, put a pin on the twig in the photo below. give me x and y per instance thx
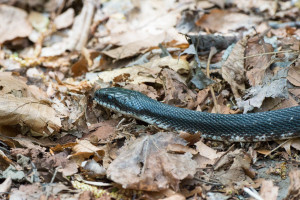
(54, 174)
(212, 52)
(268, 53)
(278, 147)
(207, 182)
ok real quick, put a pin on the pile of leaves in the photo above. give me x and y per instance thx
(227, 57)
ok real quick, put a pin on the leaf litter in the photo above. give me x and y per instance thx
(54, 138)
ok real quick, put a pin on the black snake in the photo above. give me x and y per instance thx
(261, 126)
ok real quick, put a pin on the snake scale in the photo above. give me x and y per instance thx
(262, 126)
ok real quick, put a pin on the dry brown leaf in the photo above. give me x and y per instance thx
(77, 37)
(153, 21)
(175, 196)
(225, 21)
(239, 174)
(17, 86)
(145, 165)
(178, 148)
(146, 73)
(13, 23)
(132, 49)
(5, 161)
(38, 116)
(256, 66)
(105, 130)
(84, 149)
(233, 69)
(264, 151)
(143, 88)
(5, 186)
(69, 169)
(290, 143)
(202, 161)
(294, 75)
(12, 85)
(36, 190)
(176, 91)
(207, 152)
(259, 6)
(294, 188)
(268, 190)
(223, 108)
(296, 143)
(65, 19)
(274, 86)
(295, 92)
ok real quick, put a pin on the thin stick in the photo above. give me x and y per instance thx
(207, 182)
(280, 145)
(268, 53)
(212, 52)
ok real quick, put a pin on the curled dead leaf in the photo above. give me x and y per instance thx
(146, 165)
(38, 116)
(84, 149)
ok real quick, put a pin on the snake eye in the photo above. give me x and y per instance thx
(109, 97)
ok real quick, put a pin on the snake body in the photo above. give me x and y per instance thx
(262, 126)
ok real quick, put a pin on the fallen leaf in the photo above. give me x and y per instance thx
(296, 143)
(78, 35)
(233, 69)
(257, 66)
(225, 21)
(105, 130)
(147, 73)
(35, 191)
(5, 161)
(259, 6)
(38, 116)
(153, 22)
(207, 152)
(176, 91)
(69, 169)
(5, 186)
(175, 196)
(268, 190)
(178, 148)
(275, 87)
(264, 151)
(13, 23)
(65, 19)
(239, 174)
(84, 149)
(132, 49)
(144, 164)
(294, 188)
(294, 75)
(295, 92)
(16, 86)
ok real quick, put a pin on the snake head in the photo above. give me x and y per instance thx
(118, 99)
